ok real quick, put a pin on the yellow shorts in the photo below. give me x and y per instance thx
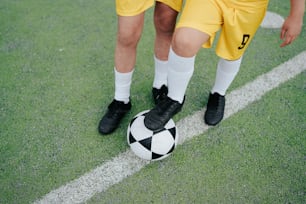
(237, 19)
(174, 4)
(132, 7)
(135, 7)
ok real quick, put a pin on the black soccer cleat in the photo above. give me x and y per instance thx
(111, 119)
(159, 94)
(215, 109)
(157, 117)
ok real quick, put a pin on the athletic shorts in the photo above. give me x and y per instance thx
(135, 7)
(174, 4)
(237, 19)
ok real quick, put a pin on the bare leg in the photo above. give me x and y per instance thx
(128, 36)
(164, 21)
(183, 45)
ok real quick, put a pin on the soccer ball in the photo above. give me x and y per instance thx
(148, 144)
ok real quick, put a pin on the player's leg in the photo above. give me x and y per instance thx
(226, 73)
(234, 39)
(187, 40)
(130, 25)
(181, 60)
(180, 70)
(165, 14)
(128, 35)
(164, 21)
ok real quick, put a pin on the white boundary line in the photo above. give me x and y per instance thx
(126, 164)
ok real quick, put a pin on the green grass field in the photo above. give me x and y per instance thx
(56, 80)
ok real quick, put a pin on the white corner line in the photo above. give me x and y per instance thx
(125, 164)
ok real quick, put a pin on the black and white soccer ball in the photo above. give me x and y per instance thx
(148, 144)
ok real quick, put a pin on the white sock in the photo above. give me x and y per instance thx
(123, 85)
(226, 73)
(160, 75)
(180, 70)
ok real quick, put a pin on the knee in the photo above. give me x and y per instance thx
(128, 37)
(187, 41)
(164, 18)
(164, 24)
(182, 44)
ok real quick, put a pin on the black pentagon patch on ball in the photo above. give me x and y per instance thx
(173, 132)
(146, 143)
(156, 156)
(131, 139)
